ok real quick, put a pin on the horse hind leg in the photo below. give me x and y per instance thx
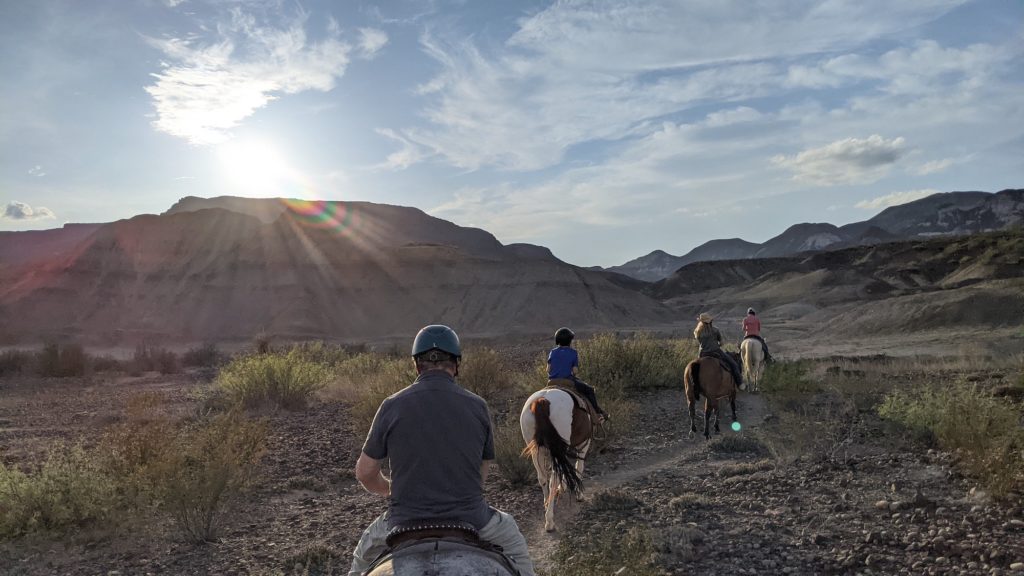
(707, 419)
(553, 489)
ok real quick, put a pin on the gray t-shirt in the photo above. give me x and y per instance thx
(436, 435)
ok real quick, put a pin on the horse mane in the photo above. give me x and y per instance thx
(562, 454)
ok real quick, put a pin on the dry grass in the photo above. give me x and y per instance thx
(515, 468)
(983, 430)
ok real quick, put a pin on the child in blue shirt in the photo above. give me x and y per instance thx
(563, 360)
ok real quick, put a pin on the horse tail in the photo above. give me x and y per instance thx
(747, 361)
(562, 454)
(692, 375)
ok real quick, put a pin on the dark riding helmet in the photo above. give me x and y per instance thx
(750, 311)
(436, 337)
(564, 336)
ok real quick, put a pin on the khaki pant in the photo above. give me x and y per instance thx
(502, 531)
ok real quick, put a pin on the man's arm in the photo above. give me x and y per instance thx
(485, 468)
(370, 476)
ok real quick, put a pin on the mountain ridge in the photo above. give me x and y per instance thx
(950, 213)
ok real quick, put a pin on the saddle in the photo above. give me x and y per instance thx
(420, 536)
(577, 398)
(431, 529)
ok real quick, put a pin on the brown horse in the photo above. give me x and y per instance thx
(709, 377)
(557, 434)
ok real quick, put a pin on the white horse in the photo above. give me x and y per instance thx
(557, 434)
(752, 353)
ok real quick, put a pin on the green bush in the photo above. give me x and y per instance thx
(205, 469)
(285, 380)
(515, 468)
(486, 373)
(985, 431)
(787, 378)
(69, 491)
(615, 365)
(371, 378)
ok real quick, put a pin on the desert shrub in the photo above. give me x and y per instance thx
(322, 353)
(614, 365)
(515, 468)
(486, 373)
(371, 378)
(261, 343)
(743, 468)
(106, 363)
(205, 469)
(732, 444)
(787, 378)
(150, 358)
(607, 551)
(985, 431)
(65, 361)
(317, 560)
(285, 380)
(205, 356)
(14, 362)
(69, 491)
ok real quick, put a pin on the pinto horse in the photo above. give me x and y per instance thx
(557, 434)
(709, 377)
(752, 353)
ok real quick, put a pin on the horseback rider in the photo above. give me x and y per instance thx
(439, 442)
(710, 340)
(563, 360)
(752, 329)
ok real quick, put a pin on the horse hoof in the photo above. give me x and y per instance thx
(549, 530)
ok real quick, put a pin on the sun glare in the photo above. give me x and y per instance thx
(256, 168)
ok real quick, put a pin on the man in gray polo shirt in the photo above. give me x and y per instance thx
(438, 439)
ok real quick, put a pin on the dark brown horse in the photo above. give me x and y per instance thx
(708, 377)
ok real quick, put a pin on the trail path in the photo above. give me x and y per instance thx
(656, 447)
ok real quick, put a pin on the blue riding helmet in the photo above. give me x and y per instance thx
(437, 337)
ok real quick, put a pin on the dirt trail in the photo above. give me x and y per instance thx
(672, 448)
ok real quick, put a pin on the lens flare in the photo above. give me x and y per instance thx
(338, 217)
(736, 426)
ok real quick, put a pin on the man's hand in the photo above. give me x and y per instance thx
(369, 475)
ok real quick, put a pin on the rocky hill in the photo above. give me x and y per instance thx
(951, 213)
(201, 272)
(975, 280)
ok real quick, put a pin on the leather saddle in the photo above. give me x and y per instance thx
(431, 536)
(580, 402)
(412, 531)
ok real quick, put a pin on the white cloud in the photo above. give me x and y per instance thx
(174, 3)
(205, 90)
(410, 153)
(588, 71)
(933, 166)
(894, 199)
(20, 211)
(36, 171)
(371, 41)
(848, 161)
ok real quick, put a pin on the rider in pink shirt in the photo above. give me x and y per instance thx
(752, 329)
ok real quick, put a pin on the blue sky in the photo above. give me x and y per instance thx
(602, 130)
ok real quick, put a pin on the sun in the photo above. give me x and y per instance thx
(256, 167)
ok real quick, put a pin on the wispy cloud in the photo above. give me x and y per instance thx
(206, 89)
(371, 40)
(848, 161)
(894, 199)
(21, 211)
(588, 71)
(37, 171)
(933, 166)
